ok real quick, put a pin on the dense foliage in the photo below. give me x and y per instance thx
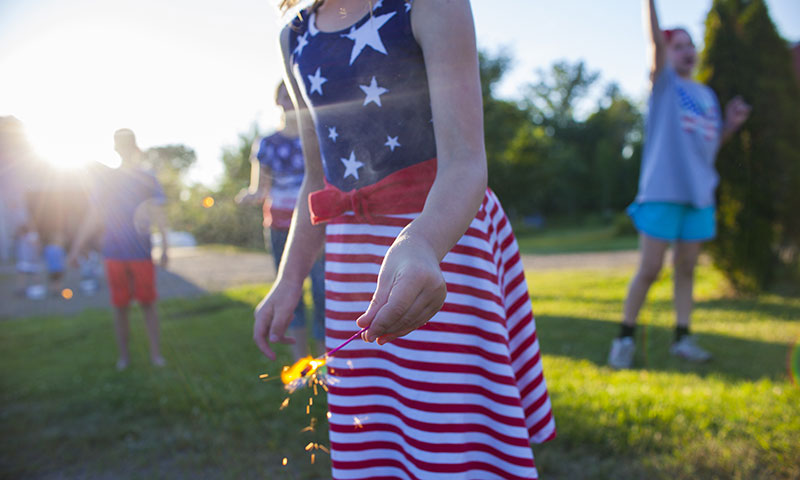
(210, 214)
(759, 193)
(545, 159)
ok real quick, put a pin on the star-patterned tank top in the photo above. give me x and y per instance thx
(367, 90)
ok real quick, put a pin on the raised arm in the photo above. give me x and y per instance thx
(273, 314)
(737, 111)
(655, 37)
(411, 288)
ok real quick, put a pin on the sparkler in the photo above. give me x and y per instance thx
(310, 370)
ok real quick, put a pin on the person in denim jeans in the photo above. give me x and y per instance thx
(277, 170)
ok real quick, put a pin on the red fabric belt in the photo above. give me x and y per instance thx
(404, 191)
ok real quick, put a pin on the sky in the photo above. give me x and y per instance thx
(200, 72)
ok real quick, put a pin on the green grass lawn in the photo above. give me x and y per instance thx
(66, 413)
(573, 240)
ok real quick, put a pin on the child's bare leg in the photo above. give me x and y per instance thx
(652, 258)
(122, 332)
(151, 325)
(686, 255)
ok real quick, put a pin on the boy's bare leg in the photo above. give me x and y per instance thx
(151, 325)
(122, 332)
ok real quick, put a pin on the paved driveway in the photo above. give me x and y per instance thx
(198, 270)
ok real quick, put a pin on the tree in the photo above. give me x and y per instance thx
(759, 192)
(501, 119)
(236, 159)
(226, 222)
(170, 163)
(554, 97)
(611, 143)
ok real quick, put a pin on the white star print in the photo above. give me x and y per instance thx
(301, 44)
(408, 6)
(312, 25)
(368, 36)
(316, 82)
(373, 92)
(392, 142)
(351, 165)
(377, 5)
(332, 134)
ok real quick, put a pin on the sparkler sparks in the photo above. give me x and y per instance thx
(311, 371)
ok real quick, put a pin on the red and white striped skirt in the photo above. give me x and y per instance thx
(462, 397)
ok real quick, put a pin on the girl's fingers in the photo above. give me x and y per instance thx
(401, 298)
(379, 299)
(270, 327)
(260, 328)
(413, 319)
(277, 329)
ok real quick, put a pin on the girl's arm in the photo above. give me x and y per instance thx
(655, 36)
(411, 288)
(305, 241)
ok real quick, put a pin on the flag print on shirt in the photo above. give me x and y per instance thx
(699, 116)
(376, 65)
(283, 156)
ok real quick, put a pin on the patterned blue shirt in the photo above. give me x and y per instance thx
(283, 156)
(682, 137)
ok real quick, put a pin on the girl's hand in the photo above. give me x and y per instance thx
(273, 315)
(736, 113)
(411, 290)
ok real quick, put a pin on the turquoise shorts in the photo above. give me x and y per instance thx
(673, 221)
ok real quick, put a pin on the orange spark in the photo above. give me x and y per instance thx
(285, 461)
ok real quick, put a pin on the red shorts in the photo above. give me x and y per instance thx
(129, 279)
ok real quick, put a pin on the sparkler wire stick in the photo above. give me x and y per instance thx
(356, 335)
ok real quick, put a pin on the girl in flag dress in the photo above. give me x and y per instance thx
(675, 202)
(448, 382)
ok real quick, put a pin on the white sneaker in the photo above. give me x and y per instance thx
(621, 354)
(688, 349)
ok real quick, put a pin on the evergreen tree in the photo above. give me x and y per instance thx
(759, 193)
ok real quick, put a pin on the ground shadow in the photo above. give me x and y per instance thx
(764, 306)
